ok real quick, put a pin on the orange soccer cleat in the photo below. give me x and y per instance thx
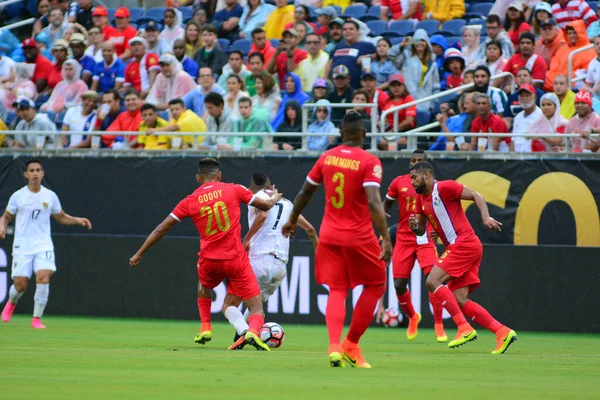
(504, 338)
(440, 333)
(465, 334)
(353, 355)
(413, 326)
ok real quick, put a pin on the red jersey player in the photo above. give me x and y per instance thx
(439, 203)
(409, 249)
(215, 209)
(348, 253)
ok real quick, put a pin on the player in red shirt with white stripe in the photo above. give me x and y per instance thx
(348, 254)
(439, 204)
(215, 210)
(409, 249)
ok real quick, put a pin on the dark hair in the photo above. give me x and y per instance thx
(33, 161)
(115, 93)
(353, 123)
(148, 106)
(528, 36)
(362, 92)
(132, 91)
(484, 69)
(422, 166)
(175, 102)
(508, 23)
(469, 71)
(169, 10)
(245, 99)
(420, 151)
(239, 79)
(211, 29)
(208, 166)
(523, 69)
(377, 57)
(351, 21)
(306, 10)
(257, 54)
(313, 34)
(256, 31)
(214, 98)
(56, 9)
(239, 52)
(493, 19)
(259, 179)
(496, 43)
(268, 81)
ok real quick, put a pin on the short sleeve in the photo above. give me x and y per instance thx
(539, 70)
(181, 211)
(450, 190)
(315, 176)
(373, 173)
(392, 192)
(243, 194)
(56, 206)
(13, 204)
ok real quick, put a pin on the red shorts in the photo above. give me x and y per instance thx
(341, 267)
(237, 274)
(462, 262)
(405, 255)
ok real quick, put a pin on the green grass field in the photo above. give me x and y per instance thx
(89, 358)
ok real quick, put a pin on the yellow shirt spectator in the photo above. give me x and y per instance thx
(278, 19)
(154, 142)
(190, 122)
(444, 10)
(340, 3)
(567, 106)
(3, 127)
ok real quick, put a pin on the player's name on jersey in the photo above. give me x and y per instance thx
(210, 196)
(342, 162)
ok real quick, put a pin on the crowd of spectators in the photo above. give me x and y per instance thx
(250, 66)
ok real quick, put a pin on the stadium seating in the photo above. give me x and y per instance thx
(111, 13)
(164, 115)
(137, 13)
(156, 13)
(186, 12)
(430, 26)
(355, 10)
(594, 6)
(377, 27)
(401, 27)
(423, 117)
(454, 26)
(224, 43)
(481, 8)
(274, 42)
(374, 11)
(243, 45)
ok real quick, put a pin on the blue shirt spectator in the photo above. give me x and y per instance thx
(194, 101)
(232, 10)
(108, 76)
(348, 54)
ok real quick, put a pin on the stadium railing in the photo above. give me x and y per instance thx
(55, 146)
(412, 142)
(19, 23)
(570, 79)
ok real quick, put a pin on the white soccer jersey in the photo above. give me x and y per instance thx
(269, 238)
(32, 225)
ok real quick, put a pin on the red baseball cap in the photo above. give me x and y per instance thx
(583, 97)
(527, 87)
(29, 43)
(99, 12)
(397, 78)
(122, 12)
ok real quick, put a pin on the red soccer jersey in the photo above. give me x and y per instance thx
(402, 190)
(281, 64)
(43, 66)
(215, 209)
(345, 171)
(494, 124)
(445, 214)
(535, 64)
(121, 38)
(137, 72)
(454, 81)
(402, 114)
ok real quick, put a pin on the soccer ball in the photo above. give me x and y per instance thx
(391, 318)
(272, 334)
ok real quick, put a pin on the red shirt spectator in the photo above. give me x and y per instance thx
(100, 18)
(260, 44)
(527, 59)
(487, 122)
(573, 10)
(514, 22)
(138, 71)
(286, 51)
(401, 9)
(400, 96)
(128, 121)
(124, 32)
(42, 64)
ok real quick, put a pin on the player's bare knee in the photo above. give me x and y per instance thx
(432, 283)
(255, 305)
(400, 284)
(21, 284)
(461, 299)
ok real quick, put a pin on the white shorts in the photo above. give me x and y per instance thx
(23, 265)
(269, 272)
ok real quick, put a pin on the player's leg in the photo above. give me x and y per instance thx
(22, 268)
(204, 304)
(504, 335)
(255, 322)
(436, 284)
(235, 317)
(42, 292)
(364, 268)
(427, 257)
(403, 261)
(331, 270)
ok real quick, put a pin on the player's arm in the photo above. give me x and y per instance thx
(266, 205)
(310, 230)
(300, 203)
(378, 217)
(387, 205)
(157, 234)
(417, 224)
(488, 222)
(259, 220)
(4, 222)
(65, 219)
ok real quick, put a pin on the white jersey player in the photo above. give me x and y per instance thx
(267, 248)
(33, 250)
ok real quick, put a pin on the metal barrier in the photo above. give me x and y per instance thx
(571, 55)
(374, 111)
(395, 110)
(20, 23)
(56, 145)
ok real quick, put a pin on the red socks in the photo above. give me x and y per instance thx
(255, 322)
(406, 304)
(363, 312)
(448, 301)
(481, 316)
(335, 314)
(204, 311)
(438, 310)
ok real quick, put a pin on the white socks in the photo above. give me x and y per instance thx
(42, 291)
(236, 319)
(246, 314)
(13, 295)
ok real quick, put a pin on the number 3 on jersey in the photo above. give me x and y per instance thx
(338, 202)
(213, 212)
